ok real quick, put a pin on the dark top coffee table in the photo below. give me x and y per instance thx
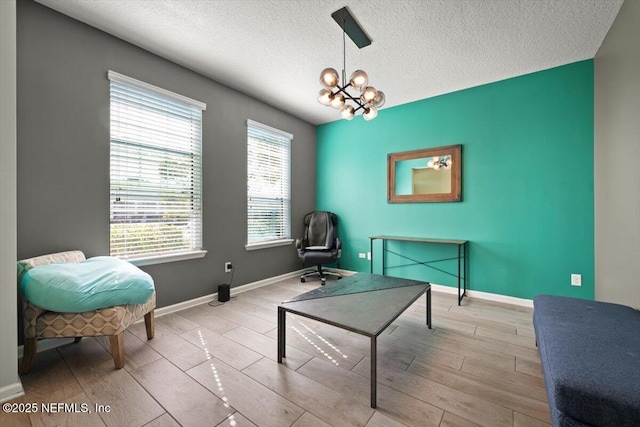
(363, 303)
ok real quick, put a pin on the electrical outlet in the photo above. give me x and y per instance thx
(576, 280)
(362, 255)
(228, 267)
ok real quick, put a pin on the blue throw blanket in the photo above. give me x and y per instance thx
(98, 282)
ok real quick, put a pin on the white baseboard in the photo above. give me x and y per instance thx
(484, 296)
(11, 391)
(48, 344)
(471, 294)
(234, 291)
(44, 345)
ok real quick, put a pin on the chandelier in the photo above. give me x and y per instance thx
(353, 95)
(439, 162)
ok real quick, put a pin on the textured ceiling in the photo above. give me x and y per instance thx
(274, 50)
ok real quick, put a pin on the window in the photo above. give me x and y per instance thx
(155, 168)
(268, 186)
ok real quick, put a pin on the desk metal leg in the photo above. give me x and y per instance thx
(282, 333)
(371, 252)
(374, 371)
(459, 295)
(465, 265)
(429, 307)
(384, 251)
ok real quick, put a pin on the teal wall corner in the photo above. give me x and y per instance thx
(527, 182)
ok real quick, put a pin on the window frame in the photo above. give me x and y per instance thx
(287, 239)
(195, 251)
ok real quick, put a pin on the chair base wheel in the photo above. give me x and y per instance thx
(320, 273)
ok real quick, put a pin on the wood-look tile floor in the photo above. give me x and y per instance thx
(216, 366)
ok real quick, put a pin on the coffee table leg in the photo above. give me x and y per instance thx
(429, 307)
(374, 371)
(282, 333)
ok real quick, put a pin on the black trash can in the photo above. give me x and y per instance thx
(224, 293)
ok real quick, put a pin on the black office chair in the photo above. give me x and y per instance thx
(320, 244)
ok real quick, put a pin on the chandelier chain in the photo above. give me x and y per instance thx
(344, 54)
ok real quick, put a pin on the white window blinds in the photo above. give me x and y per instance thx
(268, 184)
(156, 169)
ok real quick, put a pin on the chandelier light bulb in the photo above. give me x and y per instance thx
(337, 101)
(379, 100)
(329, 78)
(370, 112)
(347, 112)
(324, 97)
(368, 94)
(359, 79)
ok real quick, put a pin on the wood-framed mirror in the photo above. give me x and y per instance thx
(429, 175)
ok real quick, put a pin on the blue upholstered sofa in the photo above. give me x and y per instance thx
(590, 355)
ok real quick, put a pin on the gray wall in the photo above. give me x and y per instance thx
(63, 154)
(617, 156)
(9, 382)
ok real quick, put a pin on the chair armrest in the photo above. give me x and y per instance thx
(59, 257)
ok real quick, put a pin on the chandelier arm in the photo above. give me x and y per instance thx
(356, 100)
(343, 89)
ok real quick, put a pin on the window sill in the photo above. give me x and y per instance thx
(271, 244)
(161, 259)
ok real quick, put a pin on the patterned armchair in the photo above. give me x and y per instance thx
(40, 323)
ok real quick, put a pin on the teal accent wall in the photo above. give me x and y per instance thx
(527, 183)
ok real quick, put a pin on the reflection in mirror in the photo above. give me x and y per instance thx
(430, 175)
